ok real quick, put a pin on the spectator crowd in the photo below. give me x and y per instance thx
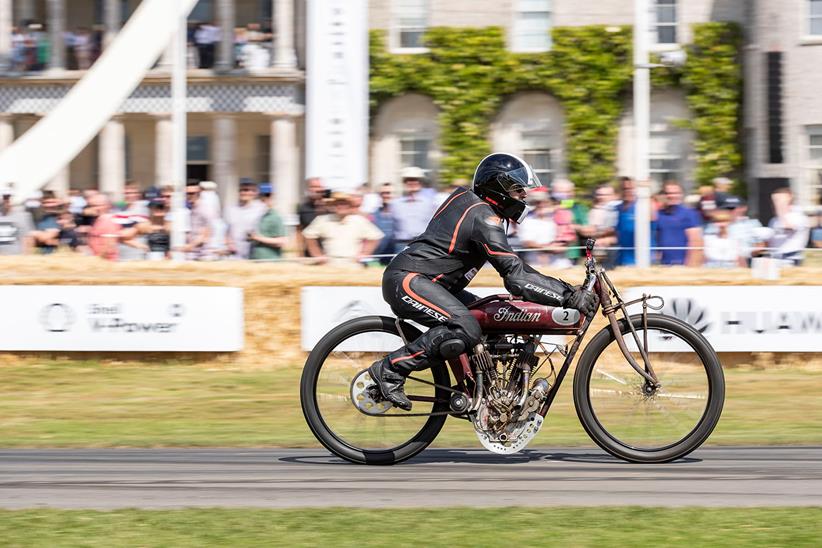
(31, 46)
(368, 226)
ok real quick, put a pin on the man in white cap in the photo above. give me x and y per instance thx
(413, 211)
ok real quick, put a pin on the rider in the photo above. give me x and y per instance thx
(425, 282)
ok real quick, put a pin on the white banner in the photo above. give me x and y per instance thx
(323, 308)
(745, 318)
(337, 92)
(121, 318)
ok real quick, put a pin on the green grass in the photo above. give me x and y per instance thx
(88, 404)
(607, 526)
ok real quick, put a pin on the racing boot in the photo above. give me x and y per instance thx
(390, 383)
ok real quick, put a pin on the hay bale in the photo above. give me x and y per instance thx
(272, 297)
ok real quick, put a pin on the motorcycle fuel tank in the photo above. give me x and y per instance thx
(521, 316)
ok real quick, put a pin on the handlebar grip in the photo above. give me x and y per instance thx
(590, 281)
(589, 244)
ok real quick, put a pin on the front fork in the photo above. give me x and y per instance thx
(609, 311)
(600, 283)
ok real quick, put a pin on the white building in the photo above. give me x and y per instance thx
(405, 130)
(244, 121)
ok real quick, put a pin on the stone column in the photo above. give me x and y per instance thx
(5, 35)
(112, 16)
(225, 49)
(112, 156)
(284, 55)
(223, 151)
(6, 133)
(285, 165)
(56, 10)
(162, 150)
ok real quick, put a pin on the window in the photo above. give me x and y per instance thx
(537, 152)
(665, 25)
(414, 153)
(665, 156)
(197, 149)
(411, 21)
(532, 28)
(815, 145)
(263, 161)
(540, 162)
(773, 87)
(815, 17)
(663, 169)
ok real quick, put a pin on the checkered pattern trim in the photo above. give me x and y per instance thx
(156, 98)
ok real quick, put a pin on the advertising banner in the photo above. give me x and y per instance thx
(337, 93)
(121, 318)
(744, 318)
(732, 318)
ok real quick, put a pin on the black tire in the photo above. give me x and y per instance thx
(335, 443)
(702, 352)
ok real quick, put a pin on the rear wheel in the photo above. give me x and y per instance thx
(632, 421)
(386, 435)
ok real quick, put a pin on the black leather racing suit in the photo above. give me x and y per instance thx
(425, 282)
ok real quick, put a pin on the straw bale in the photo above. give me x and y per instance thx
(272, 299)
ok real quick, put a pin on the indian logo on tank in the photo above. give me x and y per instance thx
(505, 314)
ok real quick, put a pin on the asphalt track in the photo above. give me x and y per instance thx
(276, 478)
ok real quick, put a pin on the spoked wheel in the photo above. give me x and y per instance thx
(632, 420)
(373, 432)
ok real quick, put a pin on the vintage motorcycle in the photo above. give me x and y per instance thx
(648, 388)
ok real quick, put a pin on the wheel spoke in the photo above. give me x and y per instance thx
(637, 418)
(373, 426)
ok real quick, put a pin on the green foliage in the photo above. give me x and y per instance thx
(713, 81)
(469, 72)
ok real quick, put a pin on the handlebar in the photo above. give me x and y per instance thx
(590, 265)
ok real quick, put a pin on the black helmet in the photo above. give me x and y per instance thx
(497, 176)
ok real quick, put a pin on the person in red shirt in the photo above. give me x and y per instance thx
(105, 232)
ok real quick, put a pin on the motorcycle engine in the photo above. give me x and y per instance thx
(507, 417)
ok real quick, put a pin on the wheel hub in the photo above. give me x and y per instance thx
(365, 395)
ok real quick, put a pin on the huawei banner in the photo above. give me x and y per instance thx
(337, 92)
(121, 318)
(734, 319)
(745, 318)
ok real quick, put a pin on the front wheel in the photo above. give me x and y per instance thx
(633, 421)
(385, 435)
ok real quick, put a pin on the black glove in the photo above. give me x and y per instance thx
(583, 300)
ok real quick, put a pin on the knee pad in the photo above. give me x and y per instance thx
(468, 329)
(451, 348)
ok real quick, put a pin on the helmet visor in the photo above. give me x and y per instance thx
(521, 179)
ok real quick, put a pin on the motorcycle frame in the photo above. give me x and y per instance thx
(596, 280)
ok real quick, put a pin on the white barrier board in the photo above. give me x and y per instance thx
(121, 318)
(323, 308)
(745, 318)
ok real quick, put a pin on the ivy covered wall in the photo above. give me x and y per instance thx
(469, 72)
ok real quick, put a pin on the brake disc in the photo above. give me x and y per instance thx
(365, 395)
(518, 437)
